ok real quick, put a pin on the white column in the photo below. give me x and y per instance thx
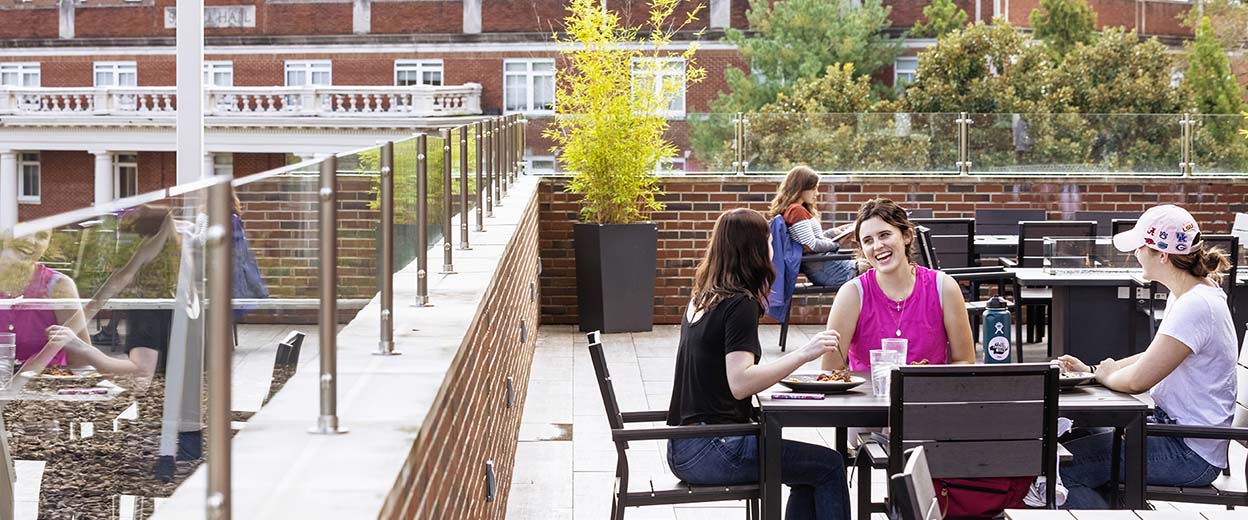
(721, 14)
(103, 177)
(66, 19)
(8, 189)
(472, 16)
(209, 169)
(362, 16)
(190, 81)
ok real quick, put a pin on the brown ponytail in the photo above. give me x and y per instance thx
(1204, 262)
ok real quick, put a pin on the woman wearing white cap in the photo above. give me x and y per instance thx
(1189, 368)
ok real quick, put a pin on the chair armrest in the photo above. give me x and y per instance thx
(824, 256)
(1234, 433)
(1006, 262)
(647, 416)
(685, 432)
(875, 454)
(1064, 455)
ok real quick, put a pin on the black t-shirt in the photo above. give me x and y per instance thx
(149, 328)
(700, 391)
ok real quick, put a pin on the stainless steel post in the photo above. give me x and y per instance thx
(520, 140)
(964, 160)
(480, 184)
(489, 167)
(385, 344)
(463, 187)
(327, 423)
(738, 140)
(496, 159)
(1186, 164)
(422, 221)
(220, 338)
(448, 266)
(504, 151)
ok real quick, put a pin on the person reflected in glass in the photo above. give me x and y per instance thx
(796, 201)
(897, 299)
(1188, 369)
(718, 371)
(40, 327)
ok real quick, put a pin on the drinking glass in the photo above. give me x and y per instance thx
(882, 364)
(8, 357)
(899, 345)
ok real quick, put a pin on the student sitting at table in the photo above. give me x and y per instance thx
(795, 201)
(718, 371)
(897, 299)
(1189, 368)
(22, 275)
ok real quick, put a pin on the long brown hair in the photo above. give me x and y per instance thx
(799, 179)
(891, 214)
(1203, 261)
(736, 261)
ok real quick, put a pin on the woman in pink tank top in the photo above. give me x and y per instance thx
(22, 275)
(897, 299)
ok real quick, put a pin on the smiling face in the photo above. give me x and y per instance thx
(24, 250)
(883, 245)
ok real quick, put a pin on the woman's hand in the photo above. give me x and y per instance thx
(64, 338)
(828, 341)
(1072, 364)
(1106, 369)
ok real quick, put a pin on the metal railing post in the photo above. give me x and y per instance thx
(488, 140)
(385, 343)
(1186, 165)
(964, 161)
(480, 181)
(422, 221)
(327, 423)
(521, 138)
(448, 266)
(738, 143)
(500, 150)
(463, 187)
(220, 351)
(511, 146)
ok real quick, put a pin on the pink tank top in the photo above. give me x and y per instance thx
(29, 321)
(920, 320)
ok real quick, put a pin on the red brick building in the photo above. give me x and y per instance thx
(87, 96)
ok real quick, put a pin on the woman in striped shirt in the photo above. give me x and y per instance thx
(796, 202)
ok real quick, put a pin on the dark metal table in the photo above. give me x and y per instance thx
(1087, 406)
(1094, 311)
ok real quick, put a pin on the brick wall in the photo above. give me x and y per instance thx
(18, 21)
(444, 16)
(693, 203)
(469, 422)
(68, 183)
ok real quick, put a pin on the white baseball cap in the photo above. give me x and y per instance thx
(1167, 228)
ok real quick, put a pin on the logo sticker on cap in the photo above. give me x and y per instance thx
(1180, 236)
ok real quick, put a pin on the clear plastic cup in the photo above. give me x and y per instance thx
(899, 345)
(8, 357)
(882, 364)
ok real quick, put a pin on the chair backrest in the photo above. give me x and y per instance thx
(1004, 221)
(1241, 395)
(913, 494)
(1104, 219)
(288, 350)
(953, 239)
(924, 251)
(1229, 244)
(1119, 225)
(919, 213)
(1031, 237)
(977, 421)
(605, 388)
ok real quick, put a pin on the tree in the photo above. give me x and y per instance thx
(942, 17)
(1213, 87)
(1118, 74)
(1062, 24)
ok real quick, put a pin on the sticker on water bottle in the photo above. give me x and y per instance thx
(999, 346)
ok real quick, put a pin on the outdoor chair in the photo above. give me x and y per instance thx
(1105, 219)
(1034, 301)
(285, 362)
(800, 288)
(973, 421)
(953, 239)
(662, 489)
(930, 256)
(914, 496)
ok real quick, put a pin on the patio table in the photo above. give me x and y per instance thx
(1087, 406)
(1091, 310)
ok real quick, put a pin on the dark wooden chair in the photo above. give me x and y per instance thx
(914, 213)
(1034, 301)
(953, 239)
(1005, 221)
(285, 362)
(973, 421)
(1105, 219)
(630, 493)
(914, 496)
(929, 255)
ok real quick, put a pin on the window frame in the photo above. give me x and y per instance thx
(530, 160)
(912, 70)
(658, 85)
(420, 67)
(118, 164)
(223, 164)
(23, 70)
(529, 74)
(115, 69)
(211, 68)
(310, 68)
(25, 159)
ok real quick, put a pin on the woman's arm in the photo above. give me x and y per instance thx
(810, 235)
(957, 323)
(746, 379)
(844, 319)
(1146, 369)
(73, 319)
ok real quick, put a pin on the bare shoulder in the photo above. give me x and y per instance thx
(64, 287)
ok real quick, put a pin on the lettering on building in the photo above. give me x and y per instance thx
(218, 17)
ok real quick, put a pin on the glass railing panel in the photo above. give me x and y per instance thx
(1074, 144)
(1219, 145)
(540, 154)
(863, 143)
(705, 144)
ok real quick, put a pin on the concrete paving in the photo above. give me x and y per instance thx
(565, 461)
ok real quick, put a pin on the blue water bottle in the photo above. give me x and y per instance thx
(997, 332)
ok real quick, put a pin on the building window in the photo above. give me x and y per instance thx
(670, 82)
(300, 73)
(529, 86)
(126, 176)
(540, 164)
(19, 74)
(223, 164)
(904, 71)
(116, 74)
(671, 166)
(28, 179)
(418, 72)
(219, 73)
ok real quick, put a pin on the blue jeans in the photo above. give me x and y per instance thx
(816, 474)
(1170, 463)
(829, 272)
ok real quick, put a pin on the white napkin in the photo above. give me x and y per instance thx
(1035, 495)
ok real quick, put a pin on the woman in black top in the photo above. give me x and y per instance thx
(717, 372)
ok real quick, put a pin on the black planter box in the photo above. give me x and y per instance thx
(615, 271)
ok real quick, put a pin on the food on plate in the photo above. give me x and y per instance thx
(835, 375)
(57, 371)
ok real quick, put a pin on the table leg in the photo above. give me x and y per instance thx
(772, 440)
(1136, 463)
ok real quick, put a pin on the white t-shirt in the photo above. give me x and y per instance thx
(1201, 391)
